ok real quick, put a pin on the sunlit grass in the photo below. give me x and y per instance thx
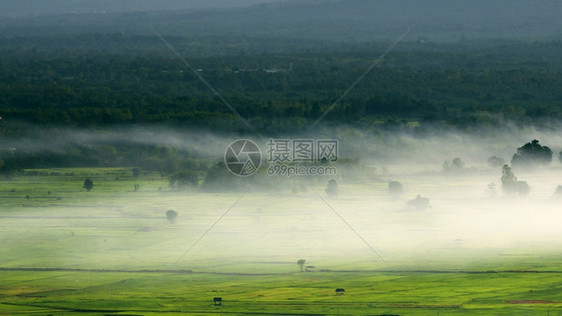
(107, 249)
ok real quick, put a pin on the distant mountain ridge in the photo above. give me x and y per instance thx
(19, 8)
(345, 21)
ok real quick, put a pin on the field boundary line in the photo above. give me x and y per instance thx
(2, 269)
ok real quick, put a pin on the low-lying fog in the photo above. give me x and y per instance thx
(129, 230)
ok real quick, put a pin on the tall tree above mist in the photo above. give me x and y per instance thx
(532, 154)
(301, 263)
(511, 185)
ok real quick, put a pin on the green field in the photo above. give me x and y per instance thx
(108, 251)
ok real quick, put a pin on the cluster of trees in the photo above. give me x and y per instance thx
(532, 154)
(454, 167)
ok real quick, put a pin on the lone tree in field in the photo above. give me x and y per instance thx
(332, 188)
(171, 216)
(511, 185)
(395, 188)
(88, 185)
(532, 154)
(301, 264)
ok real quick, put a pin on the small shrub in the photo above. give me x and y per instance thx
(420, 202)
(171, 216)
(332, 188)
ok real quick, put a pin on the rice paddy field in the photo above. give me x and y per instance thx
(112, 251)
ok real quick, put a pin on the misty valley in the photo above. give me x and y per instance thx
(280, 157)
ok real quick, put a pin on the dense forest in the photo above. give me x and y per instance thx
(279, 66)
(89, 89)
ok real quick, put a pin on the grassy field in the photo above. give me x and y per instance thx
(108, 251)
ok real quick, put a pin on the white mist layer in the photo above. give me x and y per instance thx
(129, 230)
